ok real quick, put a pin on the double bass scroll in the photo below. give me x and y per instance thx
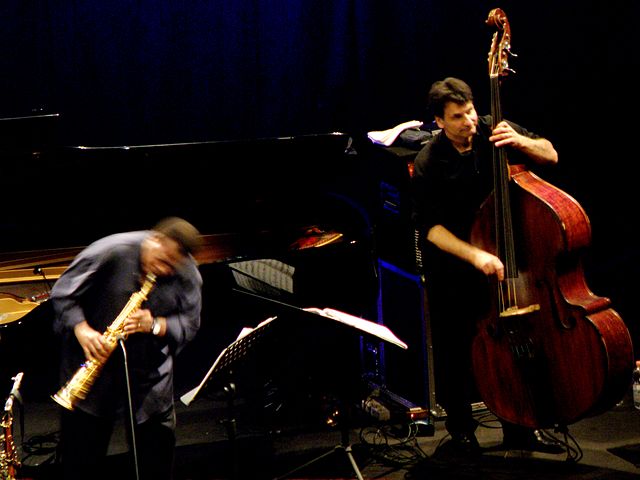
(550, 352)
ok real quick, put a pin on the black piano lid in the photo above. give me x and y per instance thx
(69, 196)
(28, 134)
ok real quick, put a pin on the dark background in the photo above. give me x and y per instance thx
(161, 71)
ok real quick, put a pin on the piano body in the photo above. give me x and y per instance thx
(288, 219)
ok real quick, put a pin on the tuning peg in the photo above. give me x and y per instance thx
(505, 68)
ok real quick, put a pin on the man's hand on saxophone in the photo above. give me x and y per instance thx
(140, 321)
(93, 343)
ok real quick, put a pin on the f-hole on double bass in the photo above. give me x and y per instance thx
(550, 352)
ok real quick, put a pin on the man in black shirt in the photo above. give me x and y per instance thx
(453, 175)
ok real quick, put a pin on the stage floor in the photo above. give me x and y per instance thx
(609, 445)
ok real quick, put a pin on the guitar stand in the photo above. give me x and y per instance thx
(344, 446)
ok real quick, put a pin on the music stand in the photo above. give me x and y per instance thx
(249, 339)
(229, 357)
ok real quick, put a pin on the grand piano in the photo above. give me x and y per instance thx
(289, 219)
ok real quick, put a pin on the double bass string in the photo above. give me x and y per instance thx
(503, 223)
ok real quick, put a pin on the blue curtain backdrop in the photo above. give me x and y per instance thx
(126, 72)
(133, 72)
(136, 72)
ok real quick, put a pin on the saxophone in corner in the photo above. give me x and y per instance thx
(80, 384)
(9, 459)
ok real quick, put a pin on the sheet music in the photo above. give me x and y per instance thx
(265, 275)
(367, 326)
(188, 397)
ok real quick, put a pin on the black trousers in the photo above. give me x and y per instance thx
(85, 441)
(458, 296)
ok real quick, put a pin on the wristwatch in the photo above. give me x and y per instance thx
(155, 326)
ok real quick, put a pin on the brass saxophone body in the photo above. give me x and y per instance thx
(80, 384)
(9, 458)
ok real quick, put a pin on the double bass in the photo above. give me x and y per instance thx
(550, 352)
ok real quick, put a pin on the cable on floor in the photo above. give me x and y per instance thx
(394, 445)
(40, 446)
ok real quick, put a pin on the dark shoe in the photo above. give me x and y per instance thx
(534, 442)
(465, 443)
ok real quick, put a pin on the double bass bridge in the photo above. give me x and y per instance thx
(517, 311)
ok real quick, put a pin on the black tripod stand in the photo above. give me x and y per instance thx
(343, 418)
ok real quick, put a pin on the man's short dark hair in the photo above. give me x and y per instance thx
(181, 231)
(448, 90)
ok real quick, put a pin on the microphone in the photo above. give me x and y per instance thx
(37, 270)
(15, 392)
(17, 380)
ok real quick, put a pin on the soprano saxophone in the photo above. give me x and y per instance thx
(9, 458)
(79, 385)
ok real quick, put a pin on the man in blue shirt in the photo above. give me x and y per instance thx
(87, 298)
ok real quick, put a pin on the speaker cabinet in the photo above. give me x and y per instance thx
(402, 308)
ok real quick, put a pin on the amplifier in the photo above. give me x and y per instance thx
(401, 307)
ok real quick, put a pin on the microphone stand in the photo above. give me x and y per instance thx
(232, 432)
(130, 402)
